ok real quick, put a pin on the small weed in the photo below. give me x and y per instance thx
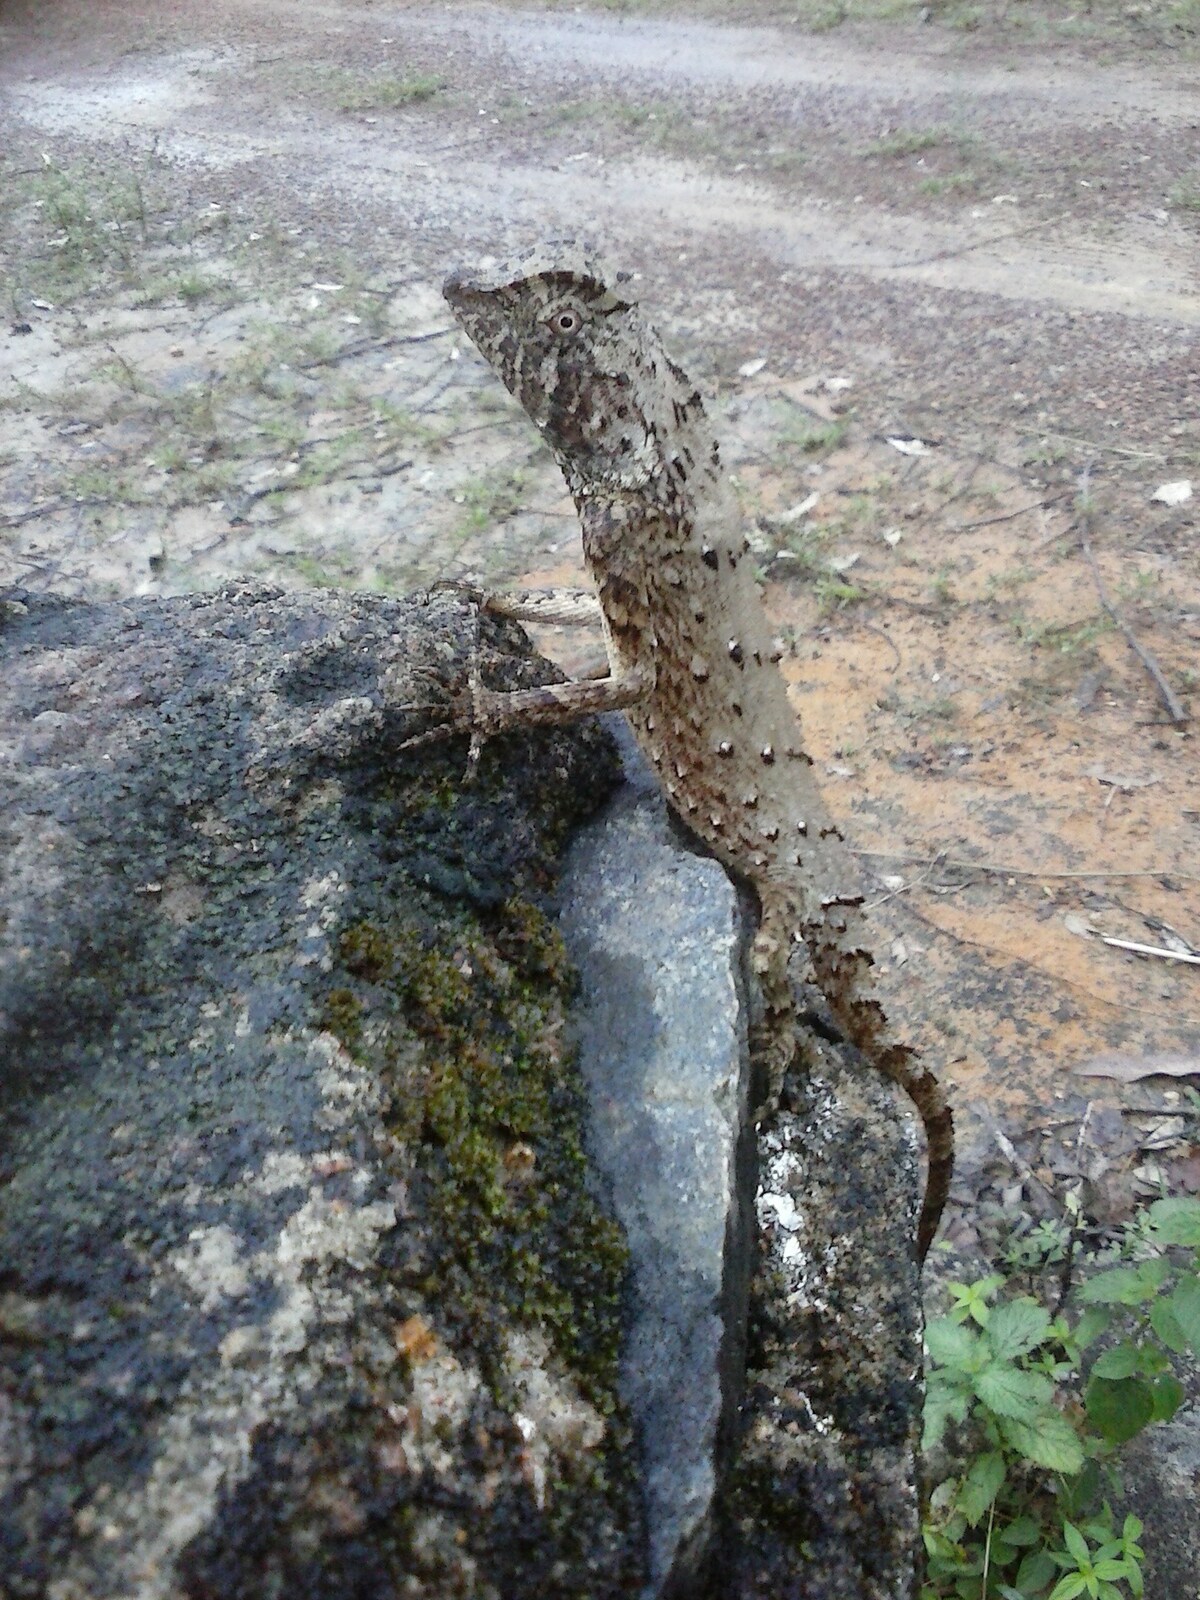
(1063, 638)
(905, 142)
(121, 372)
(811, 436)
(940, 589)
(952, 183)
(1185, 196)
(835, 594)
(823, 19)
(192, 287)
(387, 91)
(965, 18)
(325, 459)
(805, 542)
(820, 16)
(1143, 586)
(1008, 581)
(489, 500)
(941, 709)
(102, 483)
(1045, 453)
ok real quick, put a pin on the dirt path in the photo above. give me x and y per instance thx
(224, 232)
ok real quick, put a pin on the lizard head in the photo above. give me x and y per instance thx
(566, 337)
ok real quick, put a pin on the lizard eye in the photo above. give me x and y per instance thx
(566, 321)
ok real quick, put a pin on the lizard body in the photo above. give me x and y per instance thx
(690, 657)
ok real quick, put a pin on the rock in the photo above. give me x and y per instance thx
(822, 1496)
(787, 1469)
(1161, 1478)
(326, 1270)
(656, 934)
(305, 1290)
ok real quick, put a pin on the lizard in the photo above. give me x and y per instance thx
(690, 657)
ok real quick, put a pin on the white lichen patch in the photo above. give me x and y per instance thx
(324, 891)
(281, 1170)
(346, 1088)
(16, 1443)
(324, 1229)
(554, 1419)
(212, 1265)
(316, 1270)
(438, 1410)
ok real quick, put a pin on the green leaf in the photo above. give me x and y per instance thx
(1022, 1530)
(942, 1405)
(1111, 1569)
(1167, 1325)
(1068, 1586)
(1010, 1392)
(1075, 1543)
(1184, 1301)
(950, 1344)
(1169, 1395)
(1126, 1286)
(1081, 1489)
(1016, 1327)
(1050, 1442)
(1120, 1362)
(1132, 1528)
(981, 1486)
(1034, 1573)
(1092, 1323)
(1120, 1409)
(1176, 1221)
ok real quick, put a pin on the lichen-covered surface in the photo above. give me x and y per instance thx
(822, 1501)
(304, 1291)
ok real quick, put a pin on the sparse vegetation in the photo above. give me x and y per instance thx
(951, 183)
(811, 436)
(385, 91)
(1024, 1427)
(905, 142)
(1185, 195)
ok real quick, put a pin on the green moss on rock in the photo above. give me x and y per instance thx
(490, 1109)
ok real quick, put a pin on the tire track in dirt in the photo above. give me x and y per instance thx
(483, 199)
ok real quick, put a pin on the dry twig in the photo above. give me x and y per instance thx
(996, 869)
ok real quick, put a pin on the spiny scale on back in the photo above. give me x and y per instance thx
(685, 627)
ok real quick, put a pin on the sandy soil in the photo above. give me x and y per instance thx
(224, 353)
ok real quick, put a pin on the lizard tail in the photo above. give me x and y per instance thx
(926, 1093)
(842, 973)
(843, 978)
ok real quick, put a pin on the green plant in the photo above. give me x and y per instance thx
(385, 91)
(950, 183)
(905, 142)
(1022, 1434)
(811, 436)
(1185, 195)
(940, 587)
(835, 594)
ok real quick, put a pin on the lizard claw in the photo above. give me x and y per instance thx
(466, 714)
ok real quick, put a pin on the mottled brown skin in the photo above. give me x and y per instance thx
(691, 661)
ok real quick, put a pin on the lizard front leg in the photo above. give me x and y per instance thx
(493, 711)
(484, 712)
